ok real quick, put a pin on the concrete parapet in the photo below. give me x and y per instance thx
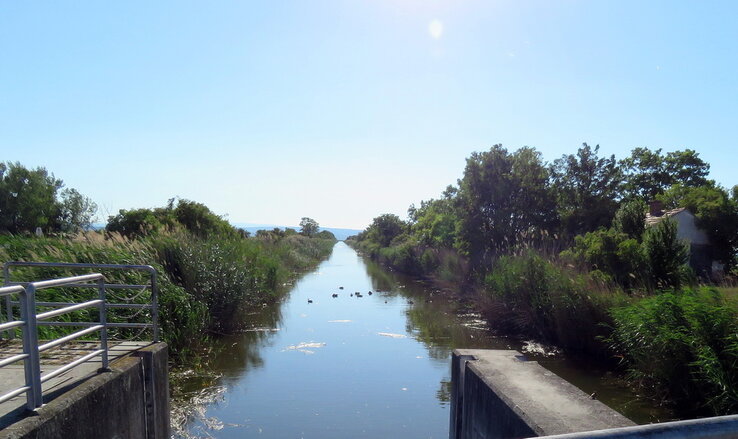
(497, 394)
(130, 401)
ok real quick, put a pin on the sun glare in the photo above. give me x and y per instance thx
(435, 28)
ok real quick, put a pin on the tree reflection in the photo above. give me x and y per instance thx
(225, 360)
(434, 319)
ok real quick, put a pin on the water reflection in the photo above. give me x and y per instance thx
(225, 360)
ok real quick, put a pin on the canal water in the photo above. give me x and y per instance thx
(376, 366)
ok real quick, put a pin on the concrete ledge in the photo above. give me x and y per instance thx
(496, 394)
(106, 405)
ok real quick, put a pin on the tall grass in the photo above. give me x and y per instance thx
(682, 346)
(204, 283)
(527, 294)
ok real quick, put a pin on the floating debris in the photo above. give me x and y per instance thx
(303, 347)
(389, 334)
(533, 347)
(190, 409)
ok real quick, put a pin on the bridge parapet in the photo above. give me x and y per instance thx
(498, 394)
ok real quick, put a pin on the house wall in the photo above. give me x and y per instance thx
(688, 229)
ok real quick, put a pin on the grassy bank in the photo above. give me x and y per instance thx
(205, 282)
(679, 347)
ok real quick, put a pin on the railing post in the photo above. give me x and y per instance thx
(30, 347)
(8, 304)
(27, 368)
(155, 304)
(104, 323)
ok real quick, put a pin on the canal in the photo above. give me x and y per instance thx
(375, 366)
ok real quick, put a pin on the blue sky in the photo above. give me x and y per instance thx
(344, 110)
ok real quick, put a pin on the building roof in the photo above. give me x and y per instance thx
(653, 219)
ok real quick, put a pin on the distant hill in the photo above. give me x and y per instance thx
(340, 234)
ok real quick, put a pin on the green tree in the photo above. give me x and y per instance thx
(686, 168)
(435, 223)
(502, 197)
(308, 226)
(385, 228)
(326, 234)
(631, 219)
(586, 187)
(198, 219)
(650, 173)
(77, 211)
(666, 254)
(134, 223)
(28, 199)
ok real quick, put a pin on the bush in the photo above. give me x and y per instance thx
(615, 256)
(683, 347)
(402, 257)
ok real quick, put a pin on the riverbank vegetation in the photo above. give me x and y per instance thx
(562, 252)
(209, 271)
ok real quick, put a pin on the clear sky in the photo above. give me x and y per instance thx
(344, 110)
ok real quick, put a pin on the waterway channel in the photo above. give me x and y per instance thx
(376, 366)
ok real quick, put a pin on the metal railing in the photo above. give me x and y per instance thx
(29, 324)
(720, 427)
(151, 305)
(30, 319)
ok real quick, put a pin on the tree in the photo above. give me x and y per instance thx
(650, 173)
(28, 199)
(198, 219)
(687, 168)
(586, 187)
(666, 254)
(326, 234)
(384, 229)
(77, 211)
(134, 223)
(436, 222)
(631, 219)
(501, 198)
(308, 226)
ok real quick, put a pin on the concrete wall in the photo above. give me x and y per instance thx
(130, 401)
(496, 394)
